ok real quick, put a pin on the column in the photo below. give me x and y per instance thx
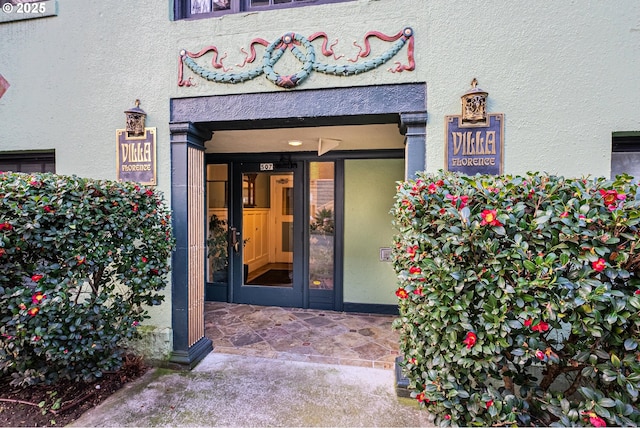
(189, 227)
(414, 127)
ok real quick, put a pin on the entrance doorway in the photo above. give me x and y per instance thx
(193, 123)
(272, 233)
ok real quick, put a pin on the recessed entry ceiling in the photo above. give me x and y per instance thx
(351, 137)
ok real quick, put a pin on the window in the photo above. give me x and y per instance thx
(207, 8)
(28, 162)
(625, 156)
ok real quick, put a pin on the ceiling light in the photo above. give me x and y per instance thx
(295, 143)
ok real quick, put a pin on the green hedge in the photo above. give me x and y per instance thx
(519, 298)
(79, 261)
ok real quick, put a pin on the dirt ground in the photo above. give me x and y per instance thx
(32, 406)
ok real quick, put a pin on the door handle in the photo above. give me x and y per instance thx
(234, 239)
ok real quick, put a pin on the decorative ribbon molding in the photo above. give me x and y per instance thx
(307, 57)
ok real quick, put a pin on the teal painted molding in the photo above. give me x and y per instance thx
(306, 56)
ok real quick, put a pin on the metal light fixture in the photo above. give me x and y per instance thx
(295, 143)
(135, 121)
(474, 104)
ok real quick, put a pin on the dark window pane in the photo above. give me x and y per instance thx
(221, 5)
(255, 3)
(28, 162)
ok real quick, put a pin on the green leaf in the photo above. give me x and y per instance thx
(530, 266)
(606, 402)
(615, 361)
(541, 220)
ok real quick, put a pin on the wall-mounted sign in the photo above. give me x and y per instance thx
(473, 149)
(136, 156)
(474, 139)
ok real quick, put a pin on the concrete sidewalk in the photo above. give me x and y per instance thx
(230, 390)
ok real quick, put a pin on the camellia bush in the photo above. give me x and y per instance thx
(80, 260)
(519, 298)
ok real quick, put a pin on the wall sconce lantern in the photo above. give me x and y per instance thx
(135, 121)
(474, 104)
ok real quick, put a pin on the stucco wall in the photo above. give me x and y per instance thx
(565, 74)
(370, 186)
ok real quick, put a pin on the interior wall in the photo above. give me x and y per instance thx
(370, 186)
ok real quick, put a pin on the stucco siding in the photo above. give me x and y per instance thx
(370, 186)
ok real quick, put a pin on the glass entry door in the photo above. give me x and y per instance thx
(266, 235)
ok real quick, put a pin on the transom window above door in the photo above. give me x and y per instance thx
(206, 8)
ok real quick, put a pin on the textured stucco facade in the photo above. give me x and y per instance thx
(565, 75)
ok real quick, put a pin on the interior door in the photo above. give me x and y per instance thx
(281, 187)
(266, 234)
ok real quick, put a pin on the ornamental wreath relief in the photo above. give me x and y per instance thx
(302, 49)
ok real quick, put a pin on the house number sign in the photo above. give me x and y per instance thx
(266, 167)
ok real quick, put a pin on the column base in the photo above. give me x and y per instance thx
(190, 358)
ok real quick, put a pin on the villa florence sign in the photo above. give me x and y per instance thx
(474, 139)
(136, 156)
(473, 149)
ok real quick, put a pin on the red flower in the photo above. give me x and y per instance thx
(489, 403)
(37, 298)
(540, 355)
(611, 198)
(418, 291)
(454, 199)
(447, 417)
(35, 183)
(418, 187)
(595, 420)
(432, 188)
(412, 251)
(154, 271)
(528, 322)
(407, 204)
(80, 259)
(6, 226)
(598, 265)
(36, 277)
(637, 292)
(541, 326)
(564, 215)
(470, 339)
(2, 252)
(490, 217)
(415, 269)
(402, 293)
(47, 209)
(22, 306)
(33, 311)
(148, 193)
(134, 207)
(421, 398)
(144, 259)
